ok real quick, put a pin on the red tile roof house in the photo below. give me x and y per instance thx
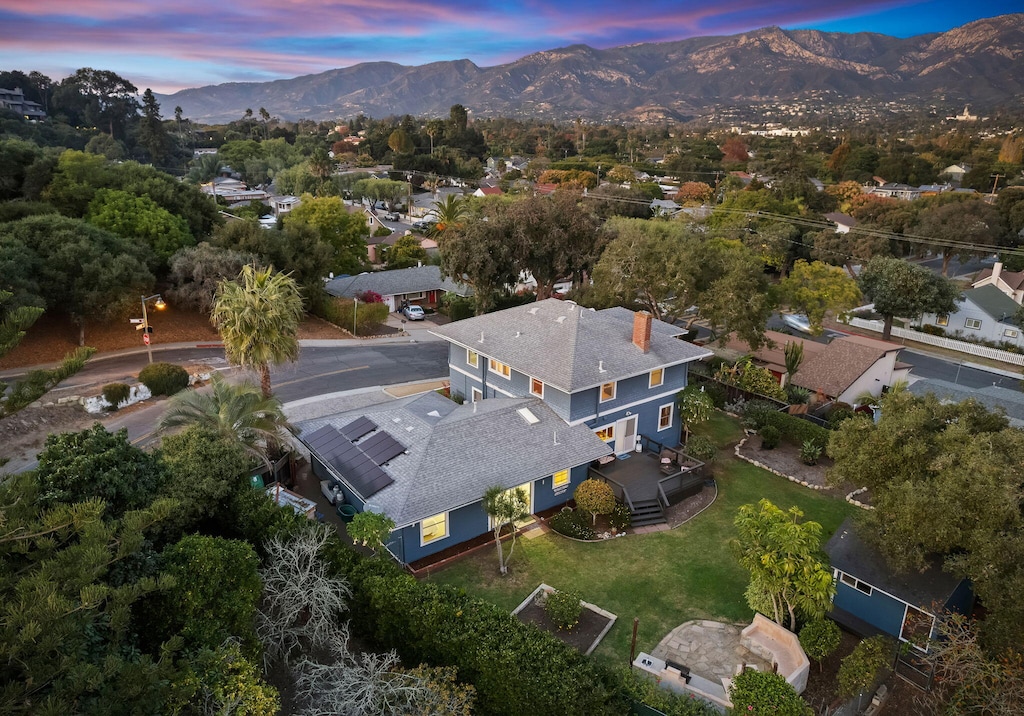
(842, 370)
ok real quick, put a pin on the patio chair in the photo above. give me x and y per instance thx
(668, 463)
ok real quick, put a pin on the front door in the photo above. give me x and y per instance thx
(625, 435)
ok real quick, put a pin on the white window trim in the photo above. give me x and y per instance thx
(863, 587)
(476, 358)
(646, 401)
(475, 394)
(942, 320)
(541, 393)
(650, 380)
(600, 391)
(671, 416)
(606, 427)
(447, 530)
(967, 324)
(1010, 333)
(495, 371)
(568, 480)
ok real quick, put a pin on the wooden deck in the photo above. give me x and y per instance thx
(639, 474)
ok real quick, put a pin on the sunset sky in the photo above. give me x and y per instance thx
(170, 45)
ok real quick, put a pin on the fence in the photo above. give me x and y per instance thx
(943, 342)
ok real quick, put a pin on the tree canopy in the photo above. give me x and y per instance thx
(899, 288)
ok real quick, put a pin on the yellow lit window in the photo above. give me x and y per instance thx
(607, 433)
(657, 377)
(473, 358)
(434, 528)
(607, 392)
(560, 479)
(500, 368)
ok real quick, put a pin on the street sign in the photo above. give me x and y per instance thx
(139, 327)
(145, 338)
(135, 320)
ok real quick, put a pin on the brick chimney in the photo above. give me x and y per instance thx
(997, 269)
(642, 330)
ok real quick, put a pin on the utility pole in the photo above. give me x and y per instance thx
(996, 178)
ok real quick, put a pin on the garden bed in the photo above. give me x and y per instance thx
(584, 637)
(785, 459)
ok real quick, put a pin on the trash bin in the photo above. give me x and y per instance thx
(346, 512)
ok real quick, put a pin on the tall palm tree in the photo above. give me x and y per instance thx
(258, 318)
(449, 212)
(239, 413)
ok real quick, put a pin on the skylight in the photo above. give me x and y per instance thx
(528, 416)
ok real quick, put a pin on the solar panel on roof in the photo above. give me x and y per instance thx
(358, 428)
(382, 447)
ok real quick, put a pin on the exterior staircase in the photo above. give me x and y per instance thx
(647, 512)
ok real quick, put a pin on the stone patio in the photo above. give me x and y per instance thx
(710, 649)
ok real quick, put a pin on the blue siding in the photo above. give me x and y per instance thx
(544, 497)
(464, 524)
(878, 609)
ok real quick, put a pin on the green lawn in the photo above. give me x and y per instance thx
(664, 578)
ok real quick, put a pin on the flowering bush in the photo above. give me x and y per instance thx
(564, 608)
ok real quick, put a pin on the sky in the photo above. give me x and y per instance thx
(173, 44)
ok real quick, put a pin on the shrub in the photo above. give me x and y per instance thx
(595, 497)
(810, 451)
(116, 393)
(37, 382)
(621, 517)
(796, 430)
(761, 692)
(859, 671)
(701, 447)
(458, 307)
(756, 413)
(820, 638)
(382, 231)
(564, 608)
(770, 437)
(648, 692)
(164, 378)
(717, 394)
(797, 395)
(573, 523)
(839, 413)
(339, 312)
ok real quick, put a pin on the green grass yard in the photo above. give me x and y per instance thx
(664, 578)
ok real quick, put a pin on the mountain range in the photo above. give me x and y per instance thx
(981, 63)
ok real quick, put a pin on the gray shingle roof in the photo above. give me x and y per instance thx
(569, 347)
(838, 365)
(849, 553)
(454, 453)
(391, 283)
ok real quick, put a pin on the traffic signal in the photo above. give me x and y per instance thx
(149, 329)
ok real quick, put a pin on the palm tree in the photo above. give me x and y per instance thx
(238, 413)
(448, 212)
(258, 318)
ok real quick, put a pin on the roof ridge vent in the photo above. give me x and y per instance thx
(560, 319)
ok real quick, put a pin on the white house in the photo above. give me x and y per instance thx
(1009, 282)
(984, 313)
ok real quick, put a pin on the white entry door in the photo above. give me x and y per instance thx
(625, 435)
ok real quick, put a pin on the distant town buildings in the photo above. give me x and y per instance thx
(14, 100)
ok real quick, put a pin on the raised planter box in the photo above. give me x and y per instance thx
(527, 612)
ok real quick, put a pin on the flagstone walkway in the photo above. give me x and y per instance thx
(710, 649)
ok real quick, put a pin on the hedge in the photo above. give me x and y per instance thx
(797, 430)
(164, 378)
(517, 669)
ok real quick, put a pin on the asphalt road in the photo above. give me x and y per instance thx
(929, 366)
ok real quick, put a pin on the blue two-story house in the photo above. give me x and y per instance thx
(425, 462)
(615, 371)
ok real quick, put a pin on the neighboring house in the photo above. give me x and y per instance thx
(284, 204)
(421, 285)
(376, 244)
(843, 222)
(1009, 282)
(614, 371)
(14, 100)
(842, 370)
(665, 207)
(488, 191)
(983, 313)
(897, 191)
(426, 462)
(871, 598)
(955, 172)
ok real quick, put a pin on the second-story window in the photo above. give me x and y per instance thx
(472, 358)
(500, 368)
(657, 377)
(537, 387)
(607, 392)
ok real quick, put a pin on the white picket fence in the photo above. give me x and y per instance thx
(943, 342)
